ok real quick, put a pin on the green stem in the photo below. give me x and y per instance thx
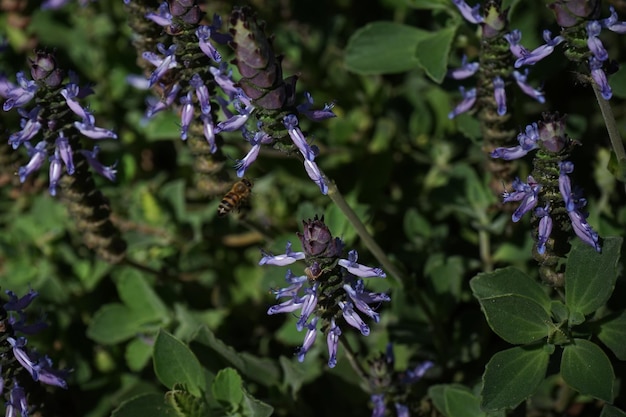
(611, 127)
(398, 277)
(485, 250)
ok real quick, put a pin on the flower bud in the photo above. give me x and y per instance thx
(44, 68)
(552, 135)
(317, 240)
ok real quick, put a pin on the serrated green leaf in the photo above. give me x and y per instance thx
(148, 405)
(174, 363)
(512, 376)
(253, 407)
(509, 281)
(383, 48)
(590, 276)
(587, 369)
(612, 333)
(611, 411)
(432, 52)
(227, 387)
(138, 353)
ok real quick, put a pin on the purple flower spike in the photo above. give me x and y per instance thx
(514, 39)
(520, 79)
(598, 75)
(595, 44)
(612, 23)
(465, 71)
(500, 95)
(70, 93)
(545, 228)
(541, 52)
(309, 339)
(309, 302)
(332, 340)
(40, 368)
(87, 128)
(471, 14)
(469, 98)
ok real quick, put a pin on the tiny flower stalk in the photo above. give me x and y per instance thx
(329, 293)
(179, 58)
(53, 123)
(556, 206)
(495, 76)
(391, 389)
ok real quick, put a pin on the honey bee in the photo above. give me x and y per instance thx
(237, 195)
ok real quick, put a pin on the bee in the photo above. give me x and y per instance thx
(238, 194)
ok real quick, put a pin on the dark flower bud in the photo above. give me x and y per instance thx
(317, 241)
(44, 68)
(569, 12)
(180, 7)
(494, 20)
(552, 132)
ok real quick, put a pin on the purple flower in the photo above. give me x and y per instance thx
(583, 230)
(55, 172)
(291, 123)
(537, 54)
(163, 64)
(565, 185)
(466, 70)
(40, 368)
(599, 77)
(315, 115)
(378, 400)
(545, 227)
(469, 98)
(203, 33)
(471, 14)
(500, 95)
(315, 174)
(106, 171)
(514, 39)
(38, 155)
(520, 79)
(18, 304)
(162, 16)
(30, 127)
(208, 129)
(332, 340)
(527, 193)
(612, 23)
(309, 339)
(17, 401)
(65, 152)
(70, 93)
(20, 95)
(360, 270)
(287, 258)
(202, 93)
(186, 114)
(259, 138)
(87, 128)
(593, 43)
(527, 142)
(155, 106)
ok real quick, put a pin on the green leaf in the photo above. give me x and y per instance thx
(138, 353)
(253, 407)
(383, 48)
(611, 411)
(429, 4)
(432, 52)
(613, 334)
(461, 402)
(227, 387)
(139, 296)
(147, 405)
(114, 323)
(590, 276)
(586, 368)
(512, 376)
(509, 281)
(174, 364)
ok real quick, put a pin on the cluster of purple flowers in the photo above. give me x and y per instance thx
(237, 107)
(330, 287)
(492, 24)
(38, 366)
(391, 386)
(53, 101)
(548, 136)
